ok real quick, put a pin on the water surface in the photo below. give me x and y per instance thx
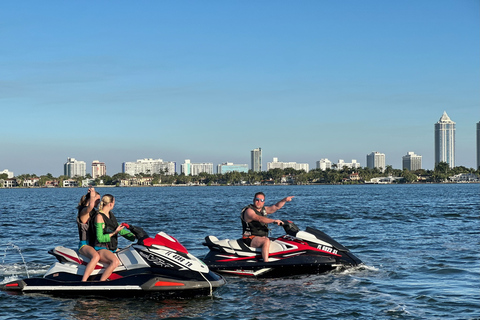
(419, 243)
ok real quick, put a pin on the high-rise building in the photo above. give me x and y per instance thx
(74, 168)
(98, 169)
(149, 166)
(376, 160)
(411, 161)
(445, 141)
(275, 164)
(230, 166)
(324, 164)
(256, 155)
(194, 169)
(478, 145)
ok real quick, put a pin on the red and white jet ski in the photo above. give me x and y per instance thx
(158, 266)
(298, 252)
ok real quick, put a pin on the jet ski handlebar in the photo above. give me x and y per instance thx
(138, 232)
(290, 227)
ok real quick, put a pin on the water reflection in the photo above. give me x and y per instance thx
(138, 308)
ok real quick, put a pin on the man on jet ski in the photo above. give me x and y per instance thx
(255, 222)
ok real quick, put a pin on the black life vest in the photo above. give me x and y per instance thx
(110, 226)
(254, 228)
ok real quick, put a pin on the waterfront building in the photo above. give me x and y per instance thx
(256, 155)
(98, 169)
(149, 166)
(8, 173)
(324, 164)
(411, 161)
(89, 182)
(478, 145)
(9, 183)
(275, 164)
(229, 167)
(465, 177)
(68, 183)
(445, 141)
(354, 176)
(136, 182)
(195, 169)
(74, 168)
(376, 160)
(31, 182)
(351, 165)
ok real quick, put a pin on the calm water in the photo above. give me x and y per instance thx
(420, 245)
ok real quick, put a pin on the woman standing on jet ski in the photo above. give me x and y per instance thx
(106, 231)
(86, 211)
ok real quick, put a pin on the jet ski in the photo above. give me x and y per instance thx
(295, 253)
(159, 266)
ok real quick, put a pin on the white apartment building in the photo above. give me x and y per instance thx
(412, 161)
(149, 166)
(376, 160)
(275, 164)
(324, 164)
(351, 165)
(194, 169)
(74, 168)
(8, 173)
(98, 169)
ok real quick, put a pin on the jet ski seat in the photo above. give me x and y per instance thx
(69, 255)
(237, 246)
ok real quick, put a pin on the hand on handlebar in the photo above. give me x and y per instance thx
(278, 222)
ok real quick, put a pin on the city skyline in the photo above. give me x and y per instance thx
(210, 81)
(257, 152)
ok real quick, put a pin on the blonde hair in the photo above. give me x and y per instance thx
(106, 199)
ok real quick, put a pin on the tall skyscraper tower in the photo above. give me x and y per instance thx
(445, 141)
(478, 145)
(256, 155)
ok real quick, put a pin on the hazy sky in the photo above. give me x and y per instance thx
(209, 81)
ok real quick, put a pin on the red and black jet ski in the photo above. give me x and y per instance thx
(158, 266)
(298, 252)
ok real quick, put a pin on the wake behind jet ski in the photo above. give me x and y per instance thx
(298, 252)
(159, 266)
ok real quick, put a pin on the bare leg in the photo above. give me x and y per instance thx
(264, 243)
(109, 257)
(91, 253)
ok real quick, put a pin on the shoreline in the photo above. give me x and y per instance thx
(246, 185)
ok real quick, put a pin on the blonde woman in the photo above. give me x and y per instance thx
(106, 231)
(86, 212)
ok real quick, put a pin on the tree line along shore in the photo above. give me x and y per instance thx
(441, 174)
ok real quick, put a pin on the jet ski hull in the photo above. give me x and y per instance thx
(305, 264)
(298, 252)
(137, 285)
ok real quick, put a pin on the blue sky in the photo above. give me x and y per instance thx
(209, 81)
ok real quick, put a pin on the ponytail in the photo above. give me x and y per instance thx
(106, 199)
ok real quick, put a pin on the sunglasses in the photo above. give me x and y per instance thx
(258, 199)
